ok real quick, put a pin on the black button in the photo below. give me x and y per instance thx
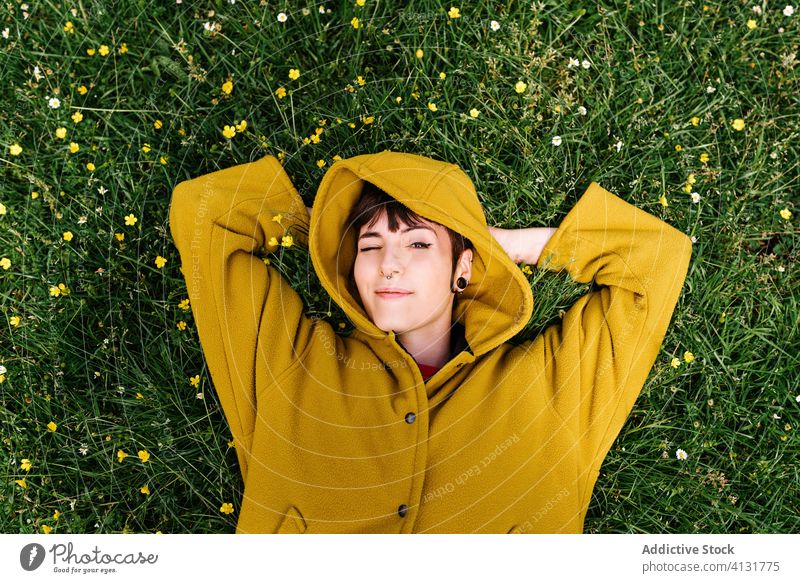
(402, 510)
(410, 417)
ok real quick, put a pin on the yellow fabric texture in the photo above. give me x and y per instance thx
(504, 439)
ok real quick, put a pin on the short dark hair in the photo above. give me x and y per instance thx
(373, 201)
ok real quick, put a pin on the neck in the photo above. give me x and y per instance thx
(429, 345)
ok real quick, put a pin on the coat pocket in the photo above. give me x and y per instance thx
(514, 530)
(292, 523)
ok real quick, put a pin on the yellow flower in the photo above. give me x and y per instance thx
(181, 325)
(691, 179)
(663, 201)
(195, 380)
(688, 188)
(14, 321)
(90, 167)
(786, 214)
(61, 133)
(287, 240)
(320, 163)
(227, 87)
(25, 464)
(146, 148)
(442, 75)
(474, 112)
(145, 490)
(704, 157)
(77, 117)
(68, 236)
(123, 48)
(280, 92)
(120, 236)
(226, 508)
(184, 304)
(158, 124)
(163, 159)
(56, 515)
(68, 27)
(360, 80)
(520, 87)
(678, 147)
(695, 120)
(121, 455)
(103, 50)
(419, 54)
(241, 126)
(354, 22)
(46, 529)
(15, 149)
(751, 24)
(229, 132)
(2, 209)
(675, 362)
(688, 356)
(143, 455)
(5, 263)
(432, 106)
(22, 483)
(454, 12)
(83, 90)
(367, 120)
(52, 426)
(54, 291)
(722, 317)
(63, 289)
(294, 73)
(90, 52)
(738, 124)
(130, 219)
(272, 242)
(278, 218)
(360, 2)
(160, 261)
(73, 147)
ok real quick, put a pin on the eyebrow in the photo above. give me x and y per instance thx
(406, 230)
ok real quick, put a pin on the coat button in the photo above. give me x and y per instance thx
(459, 365)
(402, 510)
(410, 417)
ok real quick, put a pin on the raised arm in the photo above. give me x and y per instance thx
(248, 317)
(595, 362)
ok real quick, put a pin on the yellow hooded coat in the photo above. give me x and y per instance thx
(340, 433)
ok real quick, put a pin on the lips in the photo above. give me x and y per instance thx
(392, 293)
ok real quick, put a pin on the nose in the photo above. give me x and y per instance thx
(390, 260)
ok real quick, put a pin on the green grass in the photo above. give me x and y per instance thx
(80, 360)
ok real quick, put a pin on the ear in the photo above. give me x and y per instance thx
(464, 267)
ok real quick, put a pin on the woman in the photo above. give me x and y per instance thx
(424, 418)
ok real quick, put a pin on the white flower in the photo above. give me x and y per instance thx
(54, 102)
(494, 25)
(322, 9)
(200, 396)
(6, 32)
(3, 369)
(306, 11)
(776, 416)
(556, 140)
(586, 64)
(757, 9)
(788, 11)
(781, 268)
(695, 197)
(37, 73)
(573, 63)
(618, 145)
(102, 190)
(209, 26)
(710, 89)
(282, 17)
(681, 455)
(83, 450)
(694, 239)
(797, 398)
(582, 110)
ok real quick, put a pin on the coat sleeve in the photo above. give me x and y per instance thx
(243, 309)
(597, 359)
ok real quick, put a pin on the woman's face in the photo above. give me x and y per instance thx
(419, 259)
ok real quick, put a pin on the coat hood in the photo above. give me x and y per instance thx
(498, 301)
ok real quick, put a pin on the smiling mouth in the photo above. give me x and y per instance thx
(392, 295)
